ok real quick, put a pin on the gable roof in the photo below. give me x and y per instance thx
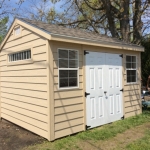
(61, 33)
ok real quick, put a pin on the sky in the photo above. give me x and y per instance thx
(26, 4)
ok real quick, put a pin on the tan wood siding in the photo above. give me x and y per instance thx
(132, 113)
(25, 99)
(27, 119)
(132, 103)
(68, 123)
(68, 116)
(69, 130)
(23, 111)
(26, 125)
(132, 95)
(24, 86)
(68, 110)
(67, 101)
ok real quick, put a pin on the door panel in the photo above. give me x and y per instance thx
(103, 82)
(93, 108)
(118, 104)
(114, 63)
(95, 86)
(92, 78)
(111, 105)
(101, 106)
(100, 78)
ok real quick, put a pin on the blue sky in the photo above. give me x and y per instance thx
(26, 4)
(13, 4)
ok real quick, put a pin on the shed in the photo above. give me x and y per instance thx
(56, 81)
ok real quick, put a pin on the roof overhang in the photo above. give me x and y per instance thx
(63, 38)
(70, 39)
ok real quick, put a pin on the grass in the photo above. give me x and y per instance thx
(102, 133)
(141, 144)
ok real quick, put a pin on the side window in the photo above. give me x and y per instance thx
(131, 70)
(68, 68)
(23, 55)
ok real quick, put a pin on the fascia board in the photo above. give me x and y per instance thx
(63, 38)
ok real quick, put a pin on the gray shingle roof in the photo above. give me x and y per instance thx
(60, 30)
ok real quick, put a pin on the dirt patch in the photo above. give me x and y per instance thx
(118, 142)
(13, 137)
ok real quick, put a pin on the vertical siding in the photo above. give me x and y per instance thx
(68, 104)
(23, 88)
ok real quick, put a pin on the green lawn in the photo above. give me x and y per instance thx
(102, 133)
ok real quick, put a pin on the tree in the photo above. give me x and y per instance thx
(42, 10)
(145, 60)
(9, 8)
(123, 19)
(3, 28)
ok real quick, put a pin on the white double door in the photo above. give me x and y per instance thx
(103, 84)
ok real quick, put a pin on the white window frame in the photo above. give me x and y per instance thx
(17, 30)
(131, 69)
(20, 62)
(15, 36)
(9, 56)
(75, 87)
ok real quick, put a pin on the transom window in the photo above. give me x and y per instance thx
(68, 68)
(17, 31)
(131, 69)
(23, 55)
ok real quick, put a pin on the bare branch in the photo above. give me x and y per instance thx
(93, 8)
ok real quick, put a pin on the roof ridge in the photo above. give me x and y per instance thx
(83, 34)
(77, 29)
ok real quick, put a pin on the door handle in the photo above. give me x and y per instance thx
(105, 94)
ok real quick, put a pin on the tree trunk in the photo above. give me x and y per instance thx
(110, 18)
(124, 20)
(137, 22)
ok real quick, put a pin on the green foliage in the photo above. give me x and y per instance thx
(3, 28)
(145, 61)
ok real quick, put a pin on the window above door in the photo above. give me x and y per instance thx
(131, 69)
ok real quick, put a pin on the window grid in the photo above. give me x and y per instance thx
(68, 81)
(131, 69)
(23, 55)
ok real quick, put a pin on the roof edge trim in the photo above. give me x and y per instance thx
(70, 39)
(27, 25)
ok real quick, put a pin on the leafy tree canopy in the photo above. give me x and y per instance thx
(3, 28)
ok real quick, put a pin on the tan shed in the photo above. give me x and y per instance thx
(56, 81)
